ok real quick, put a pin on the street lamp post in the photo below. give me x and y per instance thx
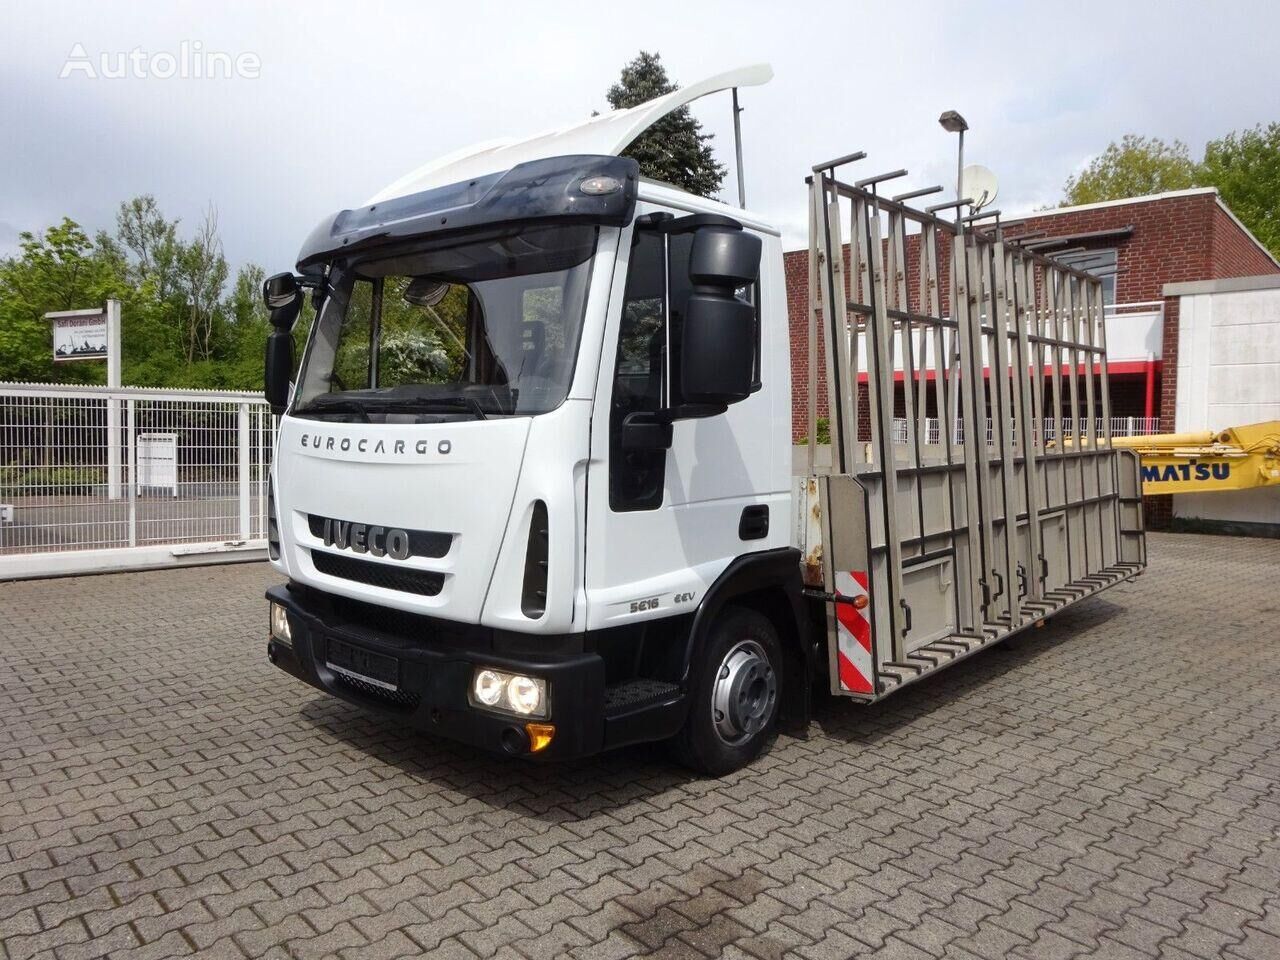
(952, 122)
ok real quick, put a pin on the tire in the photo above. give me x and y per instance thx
(741, 661)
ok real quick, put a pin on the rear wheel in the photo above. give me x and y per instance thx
(736, 686)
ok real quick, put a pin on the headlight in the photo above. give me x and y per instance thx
(509, 692)
(489, 687)
(280, 624)
(525, 695)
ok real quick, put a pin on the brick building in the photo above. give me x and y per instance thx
(1137, 246)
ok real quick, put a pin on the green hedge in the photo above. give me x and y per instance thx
(18, 481)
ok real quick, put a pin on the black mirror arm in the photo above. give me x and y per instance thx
(283, 318)
(666, 223)
(645, 430)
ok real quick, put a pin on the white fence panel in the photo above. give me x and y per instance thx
(184, 475)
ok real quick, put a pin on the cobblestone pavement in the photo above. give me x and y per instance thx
(1107, 786)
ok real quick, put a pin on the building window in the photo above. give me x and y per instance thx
(1100, 263)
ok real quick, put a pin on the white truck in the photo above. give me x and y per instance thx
(534, 490)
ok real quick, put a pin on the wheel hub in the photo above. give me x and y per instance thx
(745, 690)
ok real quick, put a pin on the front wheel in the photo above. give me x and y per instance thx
(736, 685)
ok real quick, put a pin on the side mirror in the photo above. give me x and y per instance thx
(280, 291)
(279, 369)
(717, 345)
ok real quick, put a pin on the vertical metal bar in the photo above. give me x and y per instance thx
(375, 330)
(881, 331)
(1050, 279)
(1086, 318)
(898, 252)
(926, 329)
(1093, 507)
(1072, 314)
(242, 465)
(827, 278)
(1109, 468)
(975, 435)
(943, 385)
(848, 372)
(815, 254)
(967, 417)
(131, 452)
(260, 477)
(113, 410)
(666, 320)
(1003, 415)
(860, 280)
(737, 149)
(1032, 424)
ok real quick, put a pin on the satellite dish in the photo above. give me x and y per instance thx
(980, 184)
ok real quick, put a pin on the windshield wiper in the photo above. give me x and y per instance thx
(425, 404)
(337, 405)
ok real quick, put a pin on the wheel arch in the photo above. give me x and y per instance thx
(769, 583)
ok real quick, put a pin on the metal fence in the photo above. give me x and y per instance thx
(98, 478)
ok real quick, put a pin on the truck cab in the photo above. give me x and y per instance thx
(532, 483)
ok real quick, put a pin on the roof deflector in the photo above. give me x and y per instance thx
(607, 134)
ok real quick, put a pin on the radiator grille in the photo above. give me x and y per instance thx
(422, 582)
(401, 699)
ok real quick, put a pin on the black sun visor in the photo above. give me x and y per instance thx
(576, 189)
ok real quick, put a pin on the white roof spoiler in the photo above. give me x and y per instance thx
(607, 135)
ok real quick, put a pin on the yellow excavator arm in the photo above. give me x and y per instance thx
(1238, 458)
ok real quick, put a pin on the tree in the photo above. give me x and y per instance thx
(1245, 167)
(674, 150)
(1134, 167)
(201, 276)
(181, 328)
(60, 269)
(142, 229)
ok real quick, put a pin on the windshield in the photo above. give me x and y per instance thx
(464, 327)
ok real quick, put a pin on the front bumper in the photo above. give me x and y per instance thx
(435, 676)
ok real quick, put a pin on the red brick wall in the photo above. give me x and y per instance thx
(795, 267)
(1234, 253)
(1168, 243)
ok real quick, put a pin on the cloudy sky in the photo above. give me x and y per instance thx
(351, 96)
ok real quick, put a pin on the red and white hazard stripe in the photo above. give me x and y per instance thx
(854, 632)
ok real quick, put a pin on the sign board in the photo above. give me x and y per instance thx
(157, 459)
(79, 335)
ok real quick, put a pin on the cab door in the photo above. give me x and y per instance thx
(662, 524)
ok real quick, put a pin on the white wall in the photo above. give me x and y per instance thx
(1228, 375)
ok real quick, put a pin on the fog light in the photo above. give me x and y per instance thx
(280, 624)
(489, 687)
(509, 692)
(540, 735)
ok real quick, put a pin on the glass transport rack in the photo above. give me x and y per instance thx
(970, 489)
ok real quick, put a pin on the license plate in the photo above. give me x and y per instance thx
(361, 664)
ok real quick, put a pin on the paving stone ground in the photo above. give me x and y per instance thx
(1108, 786)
